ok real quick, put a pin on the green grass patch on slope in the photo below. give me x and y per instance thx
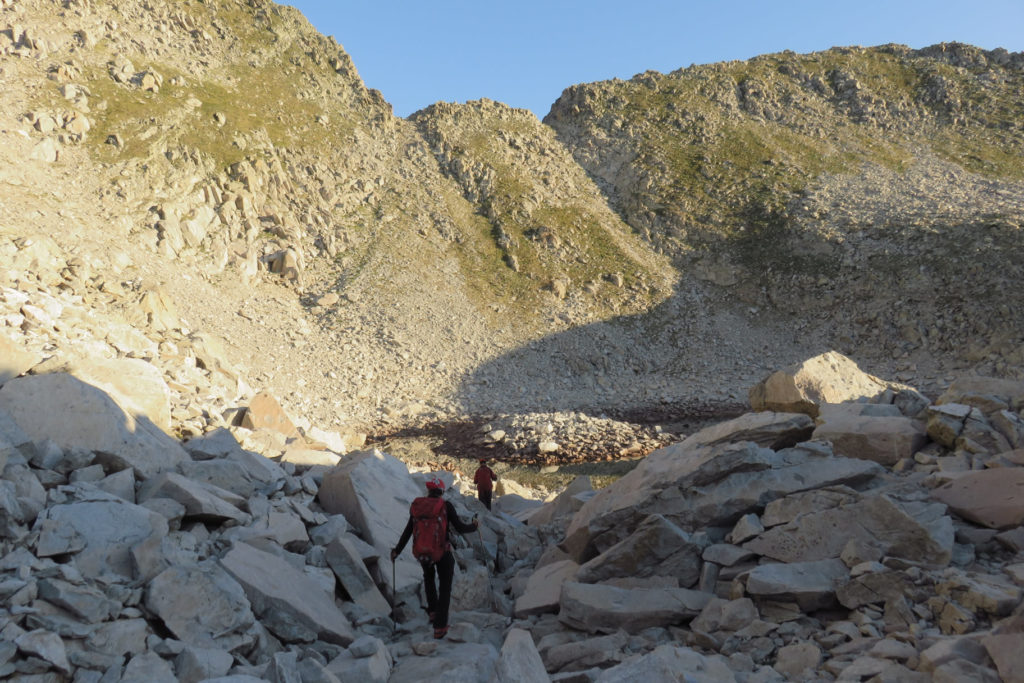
(276, 88)
(545, 241)
(257, 101)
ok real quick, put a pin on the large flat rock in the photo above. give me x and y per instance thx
(544, 588)
(100, 534)
(670, 663)
(1007, 651)
(519, 661)
(768, 429)
(993, 498)
(203, 502)
(451, 663)
(347, 565)
(221, 444)
(367, 660)
(885, 440)
(203, 606)
(373, 490)
(601, 608)
(74, 414)
(657, 548)
(221, 473)
(812, 585)
(988, 394)
(292, 606)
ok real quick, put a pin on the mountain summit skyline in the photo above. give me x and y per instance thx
(524, 54)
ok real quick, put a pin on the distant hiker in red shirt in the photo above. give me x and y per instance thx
(483, 478)
(431, 518)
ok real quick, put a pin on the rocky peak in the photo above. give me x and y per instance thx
(654, 232)
(548, 220)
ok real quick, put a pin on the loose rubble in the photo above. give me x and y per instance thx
(749, 551)
(562, 438)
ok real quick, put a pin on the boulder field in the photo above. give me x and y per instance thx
(878, 540)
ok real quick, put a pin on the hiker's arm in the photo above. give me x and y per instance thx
(403, 540)
(455, 522)
(494, 477)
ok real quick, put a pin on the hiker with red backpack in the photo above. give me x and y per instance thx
(482, 478)
(430, 520)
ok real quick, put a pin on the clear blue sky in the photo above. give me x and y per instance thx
(524, 53)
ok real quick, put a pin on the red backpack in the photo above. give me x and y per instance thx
(430, 529)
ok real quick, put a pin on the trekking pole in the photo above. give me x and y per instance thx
(394, 625)
(480, 537)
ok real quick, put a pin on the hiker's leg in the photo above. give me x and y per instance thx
(445, 571)
(430, 586)
(485, 498)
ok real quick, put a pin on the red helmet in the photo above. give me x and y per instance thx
(435, 484)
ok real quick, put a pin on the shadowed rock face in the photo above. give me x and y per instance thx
(918, 533)
(705, 487)
(202, 605)
(656, 548)
(72, 413)
(606, 609)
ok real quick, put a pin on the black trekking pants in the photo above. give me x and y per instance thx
(485, 497)
(439, 595)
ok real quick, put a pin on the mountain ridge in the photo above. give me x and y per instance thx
(415, 269)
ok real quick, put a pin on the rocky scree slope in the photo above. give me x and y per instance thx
(229, 156)
(381, 272)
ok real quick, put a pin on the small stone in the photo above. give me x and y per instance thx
(425, 648)
(746, 528)
(463, 632)
(45, 645)
(793, 660)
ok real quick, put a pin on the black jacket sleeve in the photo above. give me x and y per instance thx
(405, 536)
(454, 522)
